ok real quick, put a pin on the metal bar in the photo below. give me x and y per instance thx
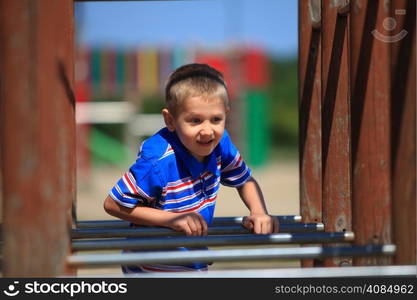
(286, 219)
(309, 73)
(153, 231)
(37, 117)
(210, 241)
(403, 131)
(163, 257)
(336, 156)
(216, 221)
(317, 272)
(370, 78)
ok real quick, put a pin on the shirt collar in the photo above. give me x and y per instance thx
(195, 167)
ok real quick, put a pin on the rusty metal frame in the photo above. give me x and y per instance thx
(337, 213)
(310, 90)
(38, 135)
(357, 129)
(403, 132)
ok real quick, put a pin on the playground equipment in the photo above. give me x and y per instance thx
(115, 235)
(357, 145)
(211, 241)
(357, 133)
(216, 221)
(228, 255)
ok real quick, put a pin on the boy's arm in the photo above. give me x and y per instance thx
(191, 223)
(258, 220)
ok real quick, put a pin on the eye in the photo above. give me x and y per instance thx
(195, 120)
(217, 119)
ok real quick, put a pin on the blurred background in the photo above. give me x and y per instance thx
(125, 51)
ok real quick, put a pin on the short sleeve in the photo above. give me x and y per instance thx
(234, 172)
(140, 185)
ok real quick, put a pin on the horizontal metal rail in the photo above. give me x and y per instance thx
(156, 231)
(210, 241)
(316, 272)
(216, 222)
(285, 219)
(173, 257)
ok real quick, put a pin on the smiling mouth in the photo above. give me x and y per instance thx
(205, 143)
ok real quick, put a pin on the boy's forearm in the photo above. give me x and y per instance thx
(259, 221)
(139, 214)
(251, 195)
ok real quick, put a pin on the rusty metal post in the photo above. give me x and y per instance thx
(37, 135)
(310, 90)
(337, 214)
(403, 128)
(370, 123)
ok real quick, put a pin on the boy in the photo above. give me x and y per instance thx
(175, 179)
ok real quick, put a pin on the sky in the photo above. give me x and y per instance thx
(271, 24)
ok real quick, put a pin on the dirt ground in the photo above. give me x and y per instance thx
(278, 180)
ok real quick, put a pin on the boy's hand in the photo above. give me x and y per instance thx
(191, 223)
(261, 223)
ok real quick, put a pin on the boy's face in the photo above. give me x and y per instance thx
(199, 124)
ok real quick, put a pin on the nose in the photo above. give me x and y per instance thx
(206, 131)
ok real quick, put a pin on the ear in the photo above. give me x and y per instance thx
(168, 119)
(227, 110)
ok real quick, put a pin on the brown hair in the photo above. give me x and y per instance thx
(194, 80)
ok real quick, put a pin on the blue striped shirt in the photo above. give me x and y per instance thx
(166, 176)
